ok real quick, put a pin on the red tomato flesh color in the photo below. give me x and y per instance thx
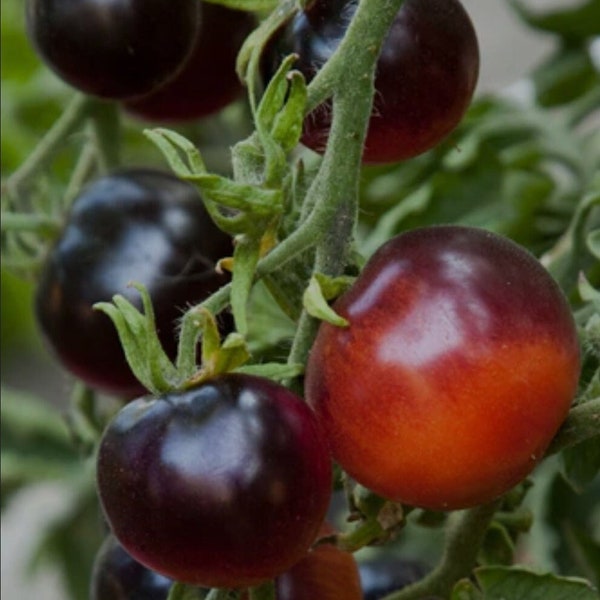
(457, 369)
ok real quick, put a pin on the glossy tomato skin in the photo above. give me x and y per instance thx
(425, 76)
(209, 81)
(459, 365)
(117, 576)
(113, 48)
(222, 485)
(326, 573)
(136, 225)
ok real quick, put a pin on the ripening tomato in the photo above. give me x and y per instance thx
(459, 365)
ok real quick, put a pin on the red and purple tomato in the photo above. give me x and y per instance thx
(425, 75)
(221, 485)
(459, 364)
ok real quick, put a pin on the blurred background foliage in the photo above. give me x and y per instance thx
(525, 164)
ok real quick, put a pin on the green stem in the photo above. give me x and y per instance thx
(263, 592)
(582, 424)
(73, 116)
(465, 534)
(106, 128)
(86, 163)
(43, 224)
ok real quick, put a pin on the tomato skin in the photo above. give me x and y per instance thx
(222, 485)
(459, 365)
(425, 76)
(208, 81)
(135, 225)
(326, 573)
(113, 48)
(117, 576)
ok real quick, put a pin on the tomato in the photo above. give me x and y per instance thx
(326, 573)
(116, 576)
(208, 82)
(425, 75)
(113, 48)
(135, 225)
(458, 367)
(222, 485)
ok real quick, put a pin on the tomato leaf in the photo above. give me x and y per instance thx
(499, 583)
(579, 22)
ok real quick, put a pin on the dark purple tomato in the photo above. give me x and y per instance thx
(117, 576)
(137, 225)
(459, 364)
(114, 48)
(208, 82)
(222, 485)
(381, 576)
(425, 78)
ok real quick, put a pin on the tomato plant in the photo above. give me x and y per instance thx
(134, 225)
(231, 481)
(208, 81)
(440, 312)
(425, 76)
(118, 49)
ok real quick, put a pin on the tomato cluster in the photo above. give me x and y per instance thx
(167, 60)
(458, 364)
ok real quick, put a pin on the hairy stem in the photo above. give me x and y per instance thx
(582, 424)
(465, 533)
(71, 119)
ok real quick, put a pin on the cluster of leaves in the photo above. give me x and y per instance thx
(528, 169)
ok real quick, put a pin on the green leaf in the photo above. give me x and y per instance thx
(501, 583)
(182, 591)
(565, 76)
(140, 342)
(579, 23)
(315, 301)
(498, 547)
(34, 441)
(175, 146)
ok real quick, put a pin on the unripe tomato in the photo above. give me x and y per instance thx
(222, 485)
(458, 367)
(425, 75)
